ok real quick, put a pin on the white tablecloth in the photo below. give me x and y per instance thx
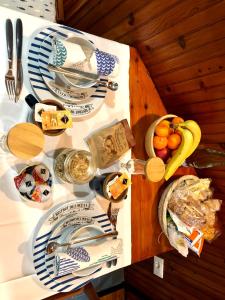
(17, 220)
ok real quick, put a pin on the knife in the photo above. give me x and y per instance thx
(73, 72)
(19, 69)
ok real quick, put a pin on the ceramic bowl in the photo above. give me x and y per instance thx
(44, 204)
(105, 183)
(150, 134)
(59, 106)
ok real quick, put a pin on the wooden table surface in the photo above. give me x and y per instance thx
(145, 107)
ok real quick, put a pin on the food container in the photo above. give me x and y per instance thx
(150, 134)
(59, 106)
(165, 198)
(34, 185)
(31, 101)
(74, 166)
(106, 181)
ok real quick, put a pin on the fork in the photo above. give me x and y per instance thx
(9, 78)
(112, 215)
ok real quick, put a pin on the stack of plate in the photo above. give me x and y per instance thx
(61, 222)
(48, 85)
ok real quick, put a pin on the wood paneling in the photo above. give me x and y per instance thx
(182, 43)
(190, 278)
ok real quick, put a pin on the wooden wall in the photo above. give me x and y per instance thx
(189, 278)
(182, 43)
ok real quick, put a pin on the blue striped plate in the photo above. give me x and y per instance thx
(46, 231)
(38, 57)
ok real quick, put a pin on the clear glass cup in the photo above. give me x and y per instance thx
(153, 168)
(134, 166)
(75, 166)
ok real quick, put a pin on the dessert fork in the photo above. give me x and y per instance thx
(9, 78)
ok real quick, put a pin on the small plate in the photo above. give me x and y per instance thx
(46, 231)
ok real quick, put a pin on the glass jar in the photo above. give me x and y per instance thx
(75, 166)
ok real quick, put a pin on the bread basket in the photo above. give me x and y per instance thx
(165, 198)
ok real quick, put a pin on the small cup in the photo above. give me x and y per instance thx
(26, 189)
(31, 101)
(108, 178)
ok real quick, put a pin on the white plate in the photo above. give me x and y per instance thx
(42, 237)
(50, 78)
(38, 84)
(72, 234)
(85, 45)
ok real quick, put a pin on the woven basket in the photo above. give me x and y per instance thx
(165, 198)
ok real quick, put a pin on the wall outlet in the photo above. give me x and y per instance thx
(158, 266)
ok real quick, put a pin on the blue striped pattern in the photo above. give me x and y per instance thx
(38, 58)
(44, 264)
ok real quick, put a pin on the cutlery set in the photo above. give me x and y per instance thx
(77, 74)
(14, 85)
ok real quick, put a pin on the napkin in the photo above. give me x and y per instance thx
(70, 55)
(82, 257)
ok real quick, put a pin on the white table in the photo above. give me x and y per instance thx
(17, 220)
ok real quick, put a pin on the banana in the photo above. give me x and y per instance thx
(196, 132)
(181, 153)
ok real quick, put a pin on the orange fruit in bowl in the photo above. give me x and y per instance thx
(159, 142)
(177, 132)
(174, 141)
(177, 120)
(164, 123)
(162, 130)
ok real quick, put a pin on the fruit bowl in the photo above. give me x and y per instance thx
(150, 134)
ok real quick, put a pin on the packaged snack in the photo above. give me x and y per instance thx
(191, 206)
(195, 241)
(177, 239)
(109, 144)
(119, 185)
(59, 119)
(40, 108)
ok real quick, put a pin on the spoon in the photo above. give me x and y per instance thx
(54, 245)
(77, 74)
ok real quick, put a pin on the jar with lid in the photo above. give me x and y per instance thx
(75, 166)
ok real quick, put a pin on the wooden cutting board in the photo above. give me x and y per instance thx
(25, 140)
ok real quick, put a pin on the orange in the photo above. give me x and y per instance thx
(178, 132)
(177, 120)
(164, 123)
(174, 141)
(159, 142)
(162, 130)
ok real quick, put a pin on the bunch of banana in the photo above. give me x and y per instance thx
(191, 135)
